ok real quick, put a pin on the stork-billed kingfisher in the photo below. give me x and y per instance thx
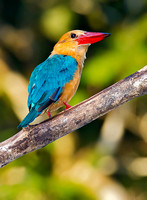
(54, 82)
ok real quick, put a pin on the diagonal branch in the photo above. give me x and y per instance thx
(37, 136)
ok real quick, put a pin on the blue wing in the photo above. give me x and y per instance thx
(46, 84)
(48, 80)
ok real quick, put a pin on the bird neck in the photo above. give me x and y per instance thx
(79, 53)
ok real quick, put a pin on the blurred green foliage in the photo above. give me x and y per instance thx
(107, 158)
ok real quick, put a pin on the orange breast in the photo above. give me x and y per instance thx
(68, 92)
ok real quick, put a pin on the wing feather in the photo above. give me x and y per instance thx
(48, 79)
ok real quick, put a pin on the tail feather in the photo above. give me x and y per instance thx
(29, 118)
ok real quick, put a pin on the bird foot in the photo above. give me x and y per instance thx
(49, 114)
(67, 105)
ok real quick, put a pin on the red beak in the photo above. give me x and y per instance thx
(91, 37)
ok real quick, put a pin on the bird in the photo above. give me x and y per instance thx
(54, 82)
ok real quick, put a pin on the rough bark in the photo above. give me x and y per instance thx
(37, 136)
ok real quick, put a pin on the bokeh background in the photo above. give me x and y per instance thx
(105, 160)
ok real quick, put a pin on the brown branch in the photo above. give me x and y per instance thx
(37, 136)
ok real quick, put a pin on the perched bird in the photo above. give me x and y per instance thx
(54, 82)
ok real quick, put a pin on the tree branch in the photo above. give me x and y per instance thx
(37, 136)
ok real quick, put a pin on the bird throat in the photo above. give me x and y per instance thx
(81, 53)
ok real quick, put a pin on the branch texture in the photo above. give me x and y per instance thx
(37, 136)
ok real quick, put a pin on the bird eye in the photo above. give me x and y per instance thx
(73, 35)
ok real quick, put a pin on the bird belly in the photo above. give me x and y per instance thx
(68, 92)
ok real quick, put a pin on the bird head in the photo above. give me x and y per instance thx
(75, 43)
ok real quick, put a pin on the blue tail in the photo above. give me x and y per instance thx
(29, 118)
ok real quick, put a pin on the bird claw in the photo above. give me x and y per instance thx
(49, 114)
(67, 105)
